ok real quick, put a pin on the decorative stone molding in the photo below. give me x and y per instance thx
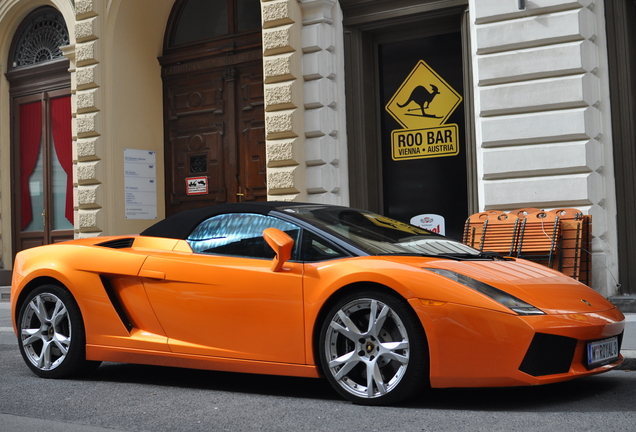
(498, 10)
(86, 53)
(543, 160)
(281, 124)
(89, 196)
(89, 216)
(283, 181)
(317, 12)
(279, 96)
(90, 222)
(87, 149)
(572, 91)
(539, 104)
(87, 100)
(282, 72)
(86, 125)
(536, 63)
(323, 72)
(531, 32)
(283, 153)
(87, 173)
(280, 40)
(87, 30)
(85, 9)
(87, 77)
(279, 68)
(542, 127)
(279, 13)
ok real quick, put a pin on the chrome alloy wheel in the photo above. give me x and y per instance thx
(45, 331)
(368, 349)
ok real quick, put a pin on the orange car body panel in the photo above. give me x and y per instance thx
(226, 317)
(236, 314)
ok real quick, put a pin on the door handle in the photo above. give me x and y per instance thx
(152, 274)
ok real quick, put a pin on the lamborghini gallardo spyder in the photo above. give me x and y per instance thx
(380, 308)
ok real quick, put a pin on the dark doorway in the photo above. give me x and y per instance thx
(213, 105)
(424, 168)
(400, 67)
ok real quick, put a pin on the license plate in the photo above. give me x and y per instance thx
(602, 352)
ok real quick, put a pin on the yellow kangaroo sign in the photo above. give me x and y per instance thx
(422, 105)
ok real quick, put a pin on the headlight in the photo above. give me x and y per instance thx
(509, 301)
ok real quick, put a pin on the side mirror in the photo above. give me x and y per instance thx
(282, 245)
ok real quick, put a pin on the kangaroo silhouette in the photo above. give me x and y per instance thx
(422, 97)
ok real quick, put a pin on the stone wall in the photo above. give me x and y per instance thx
(542, 110)
(87, 118)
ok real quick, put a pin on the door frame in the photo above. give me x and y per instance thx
(365, 25)
(621, 44)
(44, 78)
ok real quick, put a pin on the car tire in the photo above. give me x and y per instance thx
(381, 363)
(51, 334)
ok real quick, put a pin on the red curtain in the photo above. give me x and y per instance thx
(62, 139)
(30, 137)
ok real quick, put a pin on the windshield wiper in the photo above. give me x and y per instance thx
(458, 257)
(494, 256)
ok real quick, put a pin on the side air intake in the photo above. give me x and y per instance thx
(118, 244)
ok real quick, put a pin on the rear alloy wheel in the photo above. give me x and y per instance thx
(373, 349)
(51, 338)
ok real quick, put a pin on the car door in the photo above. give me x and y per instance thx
(224, 300)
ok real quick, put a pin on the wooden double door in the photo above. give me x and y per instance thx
(42, 177)
(214, 136)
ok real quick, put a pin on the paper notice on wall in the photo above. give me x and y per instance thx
(140, 181)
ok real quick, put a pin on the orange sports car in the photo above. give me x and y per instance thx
(378, 307)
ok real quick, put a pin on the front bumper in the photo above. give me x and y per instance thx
(474, 347)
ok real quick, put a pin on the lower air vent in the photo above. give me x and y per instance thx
(548, 355)
(118, 244)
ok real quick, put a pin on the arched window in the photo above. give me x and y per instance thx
(202, 20)
(40, 40)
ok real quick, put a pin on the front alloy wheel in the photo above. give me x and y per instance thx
(51, 338)
(373, 349)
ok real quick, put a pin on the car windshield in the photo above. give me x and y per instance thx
(380, 235)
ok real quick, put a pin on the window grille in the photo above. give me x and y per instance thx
(41, 39)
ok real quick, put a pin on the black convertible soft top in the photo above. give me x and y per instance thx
(180, 225)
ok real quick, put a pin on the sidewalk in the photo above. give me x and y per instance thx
(628, 349)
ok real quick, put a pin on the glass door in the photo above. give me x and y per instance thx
(43, 193)
(423, 137)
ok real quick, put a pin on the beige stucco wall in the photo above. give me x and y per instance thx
(133, 101)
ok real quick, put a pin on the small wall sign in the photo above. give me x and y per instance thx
(140, 182)
(431, 222)
(196, 185)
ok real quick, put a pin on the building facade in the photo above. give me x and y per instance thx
(116, 113)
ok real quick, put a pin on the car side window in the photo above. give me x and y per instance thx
(316, 249)
(239, 234)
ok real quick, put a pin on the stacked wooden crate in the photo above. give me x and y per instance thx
(560, 239)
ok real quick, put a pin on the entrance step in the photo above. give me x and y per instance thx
(5, 293)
